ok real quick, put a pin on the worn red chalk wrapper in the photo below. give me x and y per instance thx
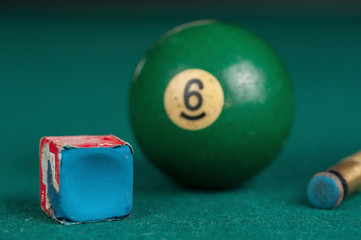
(53, 195)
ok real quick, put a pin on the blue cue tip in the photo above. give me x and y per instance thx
(325, 190)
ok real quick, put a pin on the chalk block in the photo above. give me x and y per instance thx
(86, 178)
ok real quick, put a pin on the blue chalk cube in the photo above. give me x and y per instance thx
(95, 184)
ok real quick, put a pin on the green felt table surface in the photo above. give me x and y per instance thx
(69, 74)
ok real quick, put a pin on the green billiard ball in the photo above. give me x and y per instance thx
(211, 104)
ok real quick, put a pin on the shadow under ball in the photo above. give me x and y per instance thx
(211, 104)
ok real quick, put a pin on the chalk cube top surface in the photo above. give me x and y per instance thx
(86, 141)
(86, 178)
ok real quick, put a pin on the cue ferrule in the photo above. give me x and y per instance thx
(350, 170)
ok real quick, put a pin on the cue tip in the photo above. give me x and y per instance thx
(325, 190)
